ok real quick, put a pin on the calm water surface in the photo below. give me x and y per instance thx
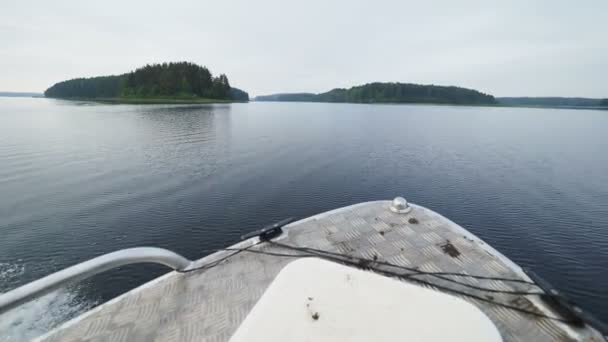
(80, 179)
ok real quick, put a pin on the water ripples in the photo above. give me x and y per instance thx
(80, 181)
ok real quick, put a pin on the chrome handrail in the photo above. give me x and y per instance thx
(89, 268)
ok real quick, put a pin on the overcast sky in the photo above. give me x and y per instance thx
(506, 48)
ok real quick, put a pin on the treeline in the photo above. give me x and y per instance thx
(390, 93)
(604, 103)
(175, 79)
(237, 94)
(103, 86)
(166, 80)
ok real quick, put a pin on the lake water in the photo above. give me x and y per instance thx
(78, 180)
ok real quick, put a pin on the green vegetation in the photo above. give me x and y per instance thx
(238, 95)
(391, 93)
(181, 82)
(604, 103)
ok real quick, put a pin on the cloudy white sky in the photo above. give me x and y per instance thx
(506, 48)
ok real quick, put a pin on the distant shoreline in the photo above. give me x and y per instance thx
(19, 94)
(496, 105)
(177, 100)
(146, 100)
(552, 107)
(162, 100)
(410, 93)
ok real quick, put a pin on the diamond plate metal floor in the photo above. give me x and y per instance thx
(209, 305)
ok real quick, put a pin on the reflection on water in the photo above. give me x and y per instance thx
(77, 181)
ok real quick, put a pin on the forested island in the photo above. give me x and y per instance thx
(416, 93)
(185, 82)
(181, 82)
(391, 93)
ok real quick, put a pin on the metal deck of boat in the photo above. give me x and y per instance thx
(209, 305)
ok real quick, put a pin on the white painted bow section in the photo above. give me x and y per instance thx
(317, 300)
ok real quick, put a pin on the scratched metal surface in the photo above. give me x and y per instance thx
(209, 305)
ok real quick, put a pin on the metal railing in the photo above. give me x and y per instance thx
(89, 268)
